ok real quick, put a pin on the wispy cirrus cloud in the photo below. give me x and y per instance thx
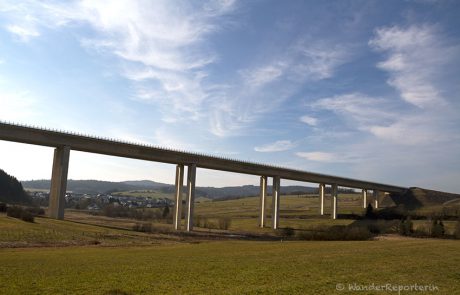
(326, 157)
(165, 52)
(22, 32)
(415, 130)
(415, 59)
(166, 42)
(263, 75)
(163, 43)
(357, 109)
(264, 86)
(319, 60)
(309, 120)
(277, 146)
(383, 119)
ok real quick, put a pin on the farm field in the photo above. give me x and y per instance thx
(296, 211)
(232, 267)
(93, 254)
(49, 232)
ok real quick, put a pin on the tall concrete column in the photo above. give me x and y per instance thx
(276, 202)
(191, 176)
(376, 199)
(59, 182)
(334, 194)
(321, 198)
(263, 195)
(364, 198)
(178, 198)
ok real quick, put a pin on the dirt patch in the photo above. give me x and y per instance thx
(395, 237)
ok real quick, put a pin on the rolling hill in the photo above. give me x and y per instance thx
(101, 187)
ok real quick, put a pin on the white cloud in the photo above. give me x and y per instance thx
(166, 54)
(320, 61)
(160, 34)
(387, 121)
(392, 137)
(26, 19)
(23, 33)
(277, 146)
(166, 42)
(312, 121)
(360, 110)
(267, 84)
(416, 129)
(415, 58)
(324, 157)
(224, 121)
(163, 42)
(166, 139)
(264, 75)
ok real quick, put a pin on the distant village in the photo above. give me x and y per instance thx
(98, 201)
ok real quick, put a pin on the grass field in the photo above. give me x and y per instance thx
(48, 232)
(296, 211)
(231, 267)
(88, 254)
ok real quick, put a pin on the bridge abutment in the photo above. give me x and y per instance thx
(59, 182)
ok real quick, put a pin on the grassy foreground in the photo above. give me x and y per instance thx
(231, 267)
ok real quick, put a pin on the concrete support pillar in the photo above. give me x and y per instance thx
(59, 182)
(263, 195)
(191, 176)
(178, 197)
(321, 198)
(334, 195)
(376, 199)
(364, 198)
(276, 202)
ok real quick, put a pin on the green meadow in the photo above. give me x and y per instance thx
(232, 267)
(94, 254)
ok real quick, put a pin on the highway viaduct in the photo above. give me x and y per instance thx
(64, 142)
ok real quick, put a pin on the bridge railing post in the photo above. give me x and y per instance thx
(59, 182)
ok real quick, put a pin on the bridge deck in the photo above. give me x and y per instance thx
(43, 137)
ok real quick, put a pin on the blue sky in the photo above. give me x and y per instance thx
(364, 89)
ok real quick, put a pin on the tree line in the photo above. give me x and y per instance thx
(11, 190)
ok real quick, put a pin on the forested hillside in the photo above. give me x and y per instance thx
(11, 190)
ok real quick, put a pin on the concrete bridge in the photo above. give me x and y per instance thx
(64, 142)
